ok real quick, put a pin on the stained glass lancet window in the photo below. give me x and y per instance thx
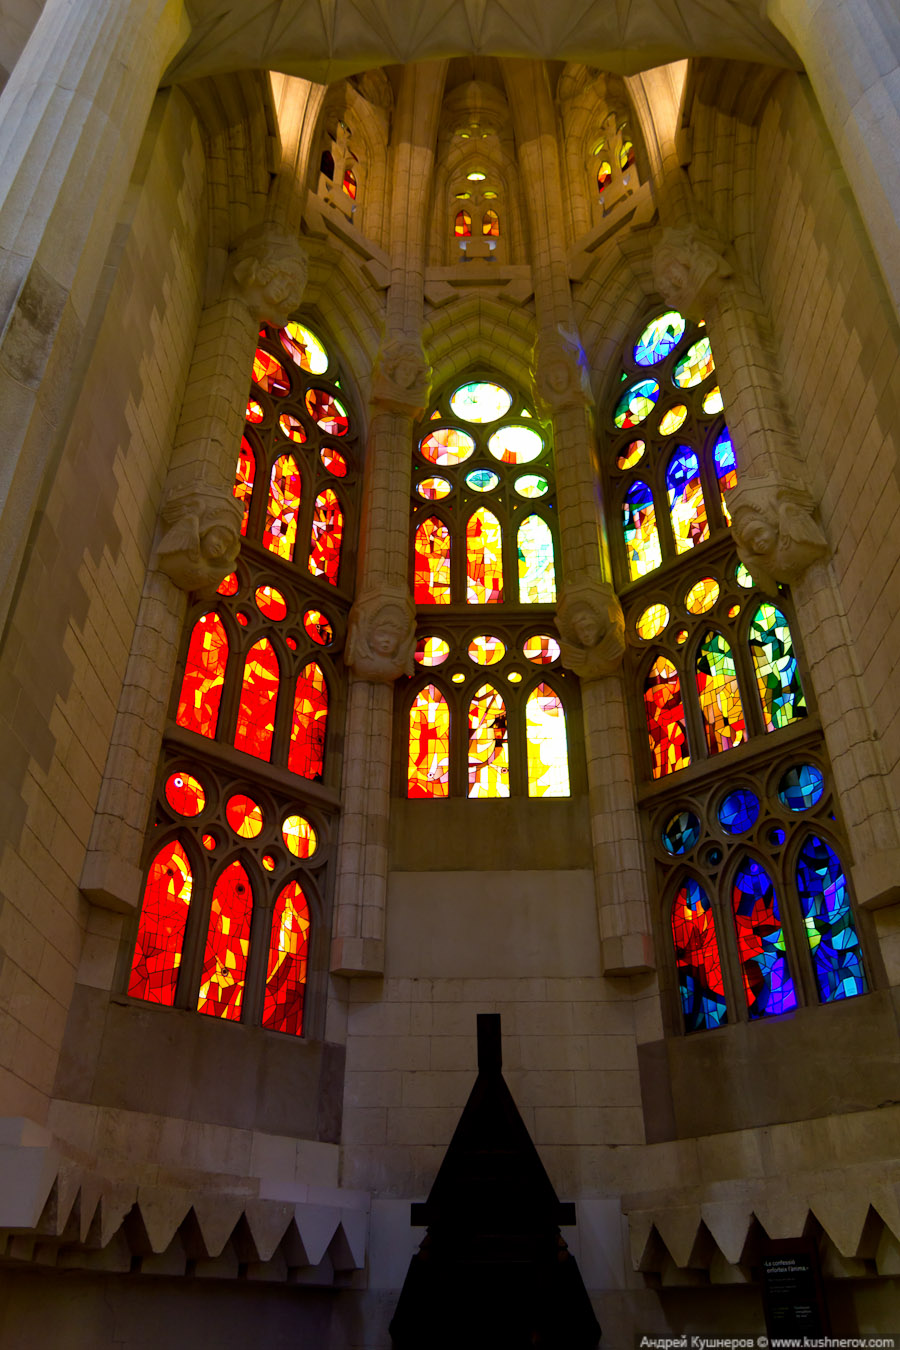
(828, 918)
(665, 719)
(720, 696)
(227, 945)
(204, 676)
(157, 953)
(545, 729)
(429, 744)
(697, 958)
(488, 748)
(768, 986)
(777, 676)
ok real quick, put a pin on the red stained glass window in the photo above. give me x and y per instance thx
(318, 627)
(293, 428)
(259, 696)
(244, 476)
(327, 411)
(429, 744)
(229, 585)
(665, 719)
(286, 972)
(270, 374)
(327, 532)
(484, 559)
(280, 534)
(334, 461)
(204, 676)
(697, 958)
(185, 794)
(227, 945)
(463, 225)
(306, 756)
(271, 603)
(432, 565)
(254, 411)
(490, 224)
(488, 748)
(157, 953)
(349, 184)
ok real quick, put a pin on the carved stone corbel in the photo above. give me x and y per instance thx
(202, 537)
(591, 627)
(689, 267)
(381, 635)
(269, 269)
(562, 379)
(772, 524)
(401, 378)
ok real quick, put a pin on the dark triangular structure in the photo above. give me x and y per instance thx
(493, 1272)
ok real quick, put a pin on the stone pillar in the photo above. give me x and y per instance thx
(71, 121)
(198, 545)
(851, 52)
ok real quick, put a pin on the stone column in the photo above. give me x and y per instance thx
(71, 121)
(198, 545)
(851, 52)
(589, 617)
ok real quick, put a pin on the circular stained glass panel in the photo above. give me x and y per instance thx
(738, 811)
(244, 815)
(486, 651)
(299, 836)
(801, 787)
(327, 411)
(481, 401)
(542, 649)
(531, 485)
(777, 836)
(672, 420)
(318, 627)
(254, 411)
(334, 461)
(271, 602)
(659, 338)
(304, 348)
(695, 365)
(434, 489)
(652, 622)
(515, 445)
(185, 794)
(292, 427)
(702, 596)
(681, 833)
(631, 455)
(447, 446)
(482, 480)
(432, 651)
(636, 404)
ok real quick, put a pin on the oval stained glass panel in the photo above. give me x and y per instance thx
(661, 336)
(229, 585)
(713, 402)
(327, 411)
(672, 419)
(631, 455)
(739, 811)
(636, 404)
(542, 649)
(531, 485)
(271, 603)
(293, 428)
(702, 596)
(743, 577)
(304, 348)
(482, 480)
(185, 794)
(681, 833)
(515, 445)
(801, 787)
(318, 627)
(447, 447)
(486, 650)
(299, 836)
(431, 651)
(652, 622)
(254, 411)
(433, 489)
(244, 815)
(334, 461)
(695, 365)
(270, 374)
(480, 401)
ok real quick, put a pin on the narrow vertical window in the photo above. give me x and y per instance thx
(286, 969)
(547, 747)
(327, 532)
(280, 533)
(349, 184)
(490, 224)
(688, 509)
(720, 697)
(665, 719)
(537, 577)
(157, 953)
(488, 747)
(227, 946)
(244, 477)
(204, 676)
(768, 986)
(306, 755)
(640, 532)
(463, 225)
(484, 558)
(777, 676)
(432, 563)
(726, 469)
(697, 959)
(830, 930)
(259, 697)
(429, 744)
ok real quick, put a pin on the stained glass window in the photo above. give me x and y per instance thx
(694, 366)
(777, 677)
(661, 336)
(280, 533)
(697, 959)
(243, 479)
(636, 404)
(641, 534)
(431, 585)
(259, 698)
(537, 577)
(488, 748)
(157, 954)
(768, 986)
(548, 753)
(720, 697)
(665, 719)
(309, 723)
(726, 469)
(270, 374)
(689, 523)
(227, 945)
(204, 676)
(286, 970)
(429, 744)
(463, 226)
(327, 534)
(830, 930)
(490, 224)
(480, 401)
(484, 558)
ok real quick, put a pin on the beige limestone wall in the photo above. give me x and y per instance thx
(71, 627)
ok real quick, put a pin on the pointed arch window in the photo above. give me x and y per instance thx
(429, 744)
(484, 558)
(777, 676)
(665, 719)
(431, 583)
(686, 505)
(488, 746)
(490, 224)
(282, 508)
(537, 574)
(548, 753)
(245, 474)
(287, 964)
(227, 945)
(640, 532)
(463, 225)
(720, 695)
(258, 702)
(309, 723)
(164, 914)
(697, 959)
(768, 986)
(828, 919)
(204, 676)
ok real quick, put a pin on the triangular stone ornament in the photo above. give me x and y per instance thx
(782, 1214)
(162, 1211)
(316, 1225)
(729, 1224)
(493, 1272)
(267, 1221)
(217, 1217)
(678, 1229)
(843, 1217)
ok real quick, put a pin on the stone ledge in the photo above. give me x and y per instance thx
(876, 880)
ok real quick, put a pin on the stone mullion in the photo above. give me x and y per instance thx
(580, 529)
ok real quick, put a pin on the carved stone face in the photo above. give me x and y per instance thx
(405, 372)
(758, 535)
(585, 625)
(387, 637)
(218, 541)
(558, 376)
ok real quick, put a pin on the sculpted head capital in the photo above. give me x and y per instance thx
(562, 379)
(201, 537)
(381, 636)
(689, 267)
(401, 379)
(773, 526)
(591, 627)
(269, 269)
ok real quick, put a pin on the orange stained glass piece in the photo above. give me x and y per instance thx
(665, 719)
(268, 862)
(254, 411)
(490, 224)
(327, 533)
(548, 752)
(306, 755)
(270, 374)
(244, 476)
(327, 411)
(542, 649)
(462, 227)
(185, 794)
(488, 745)
(227, 945)
(349, 184)
(484, 558)
(293, 428)
(299, 836)
(242, 618)
(672, 419)
(229, 585)
(334, 461)
(702, 595)
(286, 969)
(157, 952)
(631, 455)
(429, 744)
(318, 627)
(271, 603)
(431, 583)
(280, 533)
(209, 842)
(486, 650)
(259, 698)
(304, 348)
(204, 676)
(244, 815)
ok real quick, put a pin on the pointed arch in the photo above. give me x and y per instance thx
(204, 676)
(777, 677)
(665, 719)
(462, 226)
(642, 546)
(287, 963)
(309, 723)
(258, 702)
(327, 536)
(164, 914)
(431, 582)
(282, 508)
(227, 945)
(546, 743)
(488, 744)
(428, 768)
(537, 572)
(490, 224)
(768, 985)
(828, 920)
(697, 958)
(484, 558)
(719, 694)
(687, 506)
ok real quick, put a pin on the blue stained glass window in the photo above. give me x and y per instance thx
(697, 959)
(830, 930)
(689, 523)
(681, 832)
(636, 403)
(777, 676)
(659, 338)
(767, 980)
(801, 787)
(726, 472)
(739, 810)
(639, 528)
